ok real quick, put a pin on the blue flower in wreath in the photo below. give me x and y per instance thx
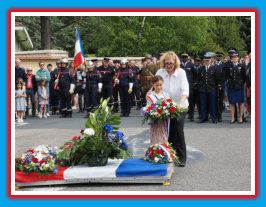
(119, 135)
(108, 128)
(123, 145)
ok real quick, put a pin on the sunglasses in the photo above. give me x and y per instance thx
(41, 64)
(29, 70)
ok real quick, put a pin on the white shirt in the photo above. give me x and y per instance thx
(176, 85)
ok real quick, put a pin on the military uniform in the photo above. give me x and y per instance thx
(147, 72)
(93, 78)
(115, 93)
(108, 75)
(208, 79)
(65, 79)
(125, 78)
(236, 76)
(54, 99)
(191, 77)
(220, 89)
(136, 87)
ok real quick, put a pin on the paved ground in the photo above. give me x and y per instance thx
(218, 154)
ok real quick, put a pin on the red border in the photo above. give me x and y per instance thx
(135, 10)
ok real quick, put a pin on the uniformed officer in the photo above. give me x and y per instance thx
(191, 77)
(108, 75)
(53, 91)
(116, 86)
(208, 79)
(136, 88)
(80, 80)
(235, 73)
(93, 86)
(125, 87)
(196, 98)
(220, 89)
(147, 72)
(65, 84)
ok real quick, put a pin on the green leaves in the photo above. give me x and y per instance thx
(129, 36)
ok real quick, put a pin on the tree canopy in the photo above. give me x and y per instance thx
(138, 35)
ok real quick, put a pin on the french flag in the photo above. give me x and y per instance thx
(79, 55)
(113, 169)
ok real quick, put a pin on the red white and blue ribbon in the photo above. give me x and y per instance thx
(166, 150)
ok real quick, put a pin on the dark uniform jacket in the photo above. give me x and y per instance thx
(53, 76)
(190, 72)
(220, 67)
(65, 78)
(236, 75)
(208, 80)
(136, 72)
(125, 76)
(107, 74)
(93, 78)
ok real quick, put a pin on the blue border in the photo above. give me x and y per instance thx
(259, 4)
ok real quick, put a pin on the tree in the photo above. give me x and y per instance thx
(45, 33)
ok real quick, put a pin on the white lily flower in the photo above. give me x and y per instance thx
(89, 131)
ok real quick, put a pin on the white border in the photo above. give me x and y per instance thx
(251, 192)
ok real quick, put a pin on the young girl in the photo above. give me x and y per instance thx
(43, 97)
(20, 100)
(158, 129)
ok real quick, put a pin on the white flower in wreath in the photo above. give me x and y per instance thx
(156, 159)
(39, 156)
(89, 131)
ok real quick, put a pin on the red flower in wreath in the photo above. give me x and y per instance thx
(34, 160)
(31, 150)
(43, 162)
(149, 108)
(151, 155)
(172, 109)
(159, 111)
(169, 100)
(159, 151)
(163, 104)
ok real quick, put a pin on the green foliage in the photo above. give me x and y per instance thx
(80, 150)
(127, 36)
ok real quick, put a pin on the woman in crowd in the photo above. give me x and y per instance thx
(176, 85)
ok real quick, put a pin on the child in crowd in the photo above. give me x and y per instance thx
(158, 129)
(43, 95)
(20, 95)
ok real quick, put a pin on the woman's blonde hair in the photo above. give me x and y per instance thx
(168, 55)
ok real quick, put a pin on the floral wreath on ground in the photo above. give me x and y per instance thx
(41, 160)
(161, 153)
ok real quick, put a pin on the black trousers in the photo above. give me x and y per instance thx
(177, 137)
(107, 91)
(115, 94)
(124, 97)
(191, 104)
(53, 99)
(91, 97)
(220, 100)
(65, 99)
(136, 93)
(30, 95)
